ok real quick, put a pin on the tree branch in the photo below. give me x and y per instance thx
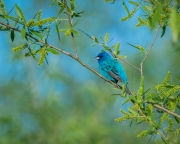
(141, 64)
(70, 24)
(64, 52)
(150, 122)
(165, 110)
(83, 64)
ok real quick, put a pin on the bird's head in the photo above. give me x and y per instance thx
(102, 56)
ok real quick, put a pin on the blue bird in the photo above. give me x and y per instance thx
(111, 69)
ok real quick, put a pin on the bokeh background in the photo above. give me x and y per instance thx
(63, 102)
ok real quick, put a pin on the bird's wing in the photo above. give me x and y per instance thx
(110, 67)
(115, 75)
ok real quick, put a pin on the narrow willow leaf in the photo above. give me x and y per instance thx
(146, 10)
(53, 51)
(57, 30)
(126, 8)
(132, 110)
(106, 47)
(121, 56)
(163, 30)
(36, 33)
(75, 32)
(138, 47)
(117, 46)
(106, 38)
(134, 3)
(12, 35)
(174, 24)
(20, 14)
(94, 44)
(155, 17)
(63, 30)
(61, 10)
(23, 33)
(75, 24)
(95, 39)
(125, 101)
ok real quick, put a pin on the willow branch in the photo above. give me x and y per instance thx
(64, 52)
(138, 109)
(165, 110)
(70, 24)
(83, 64)
(141, 65)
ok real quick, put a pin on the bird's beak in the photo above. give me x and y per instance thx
(97, 58)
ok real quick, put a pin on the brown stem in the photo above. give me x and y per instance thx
(70, 24)
(138, 109)
(165, 110)
(64, 52)
(141, 64)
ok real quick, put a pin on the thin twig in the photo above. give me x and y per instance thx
(141, 64)
(130, 64)
(165, 110)
(64, 52)
(138, 109)
(70, 24)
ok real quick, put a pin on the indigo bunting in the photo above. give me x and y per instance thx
(111, 69)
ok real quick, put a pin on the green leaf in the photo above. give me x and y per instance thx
(63, 30)
(134, 3)
(149, 109)
(93, 44)
(75, 32)
(126, 8)
(36, 33)
(163, 30)
(121, 56)
(132, 110)
(155, 17)
(57, 30)
(138, 47)
(23, 33)
(117, 46)
(75, 24)
(61, 10)
(106, 37)
(20, 14)
(95, 39)
(174, 24)
(106, 47)
(53, 51)
(126, 100)
(12, 35)
(145, 8)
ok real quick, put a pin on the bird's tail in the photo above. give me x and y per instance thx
(128, 91)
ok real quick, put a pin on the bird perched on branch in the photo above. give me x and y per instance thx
(111, 69)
